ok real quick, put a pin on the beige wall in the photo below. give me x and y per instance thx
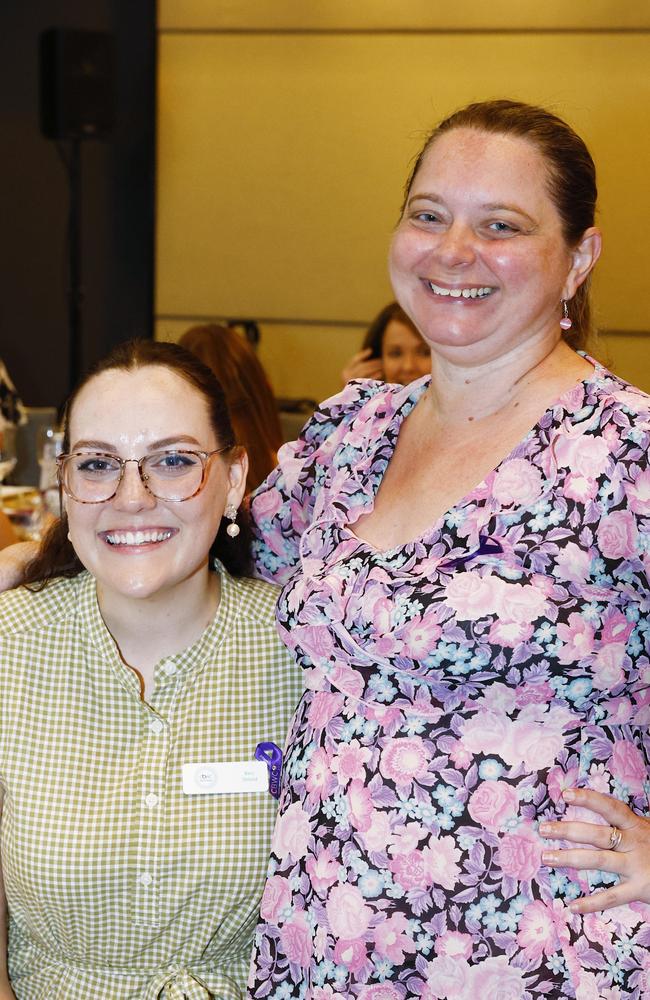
(285, 131)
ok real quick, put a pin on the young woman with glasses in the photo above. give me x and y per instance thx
(136, 684)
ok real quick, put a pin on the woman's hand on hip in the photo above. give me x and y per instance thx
(620, 845)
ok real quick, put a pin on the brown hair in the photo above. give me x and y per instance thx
(56, 556)
(571, 176)
(374, 338)
(252, 406)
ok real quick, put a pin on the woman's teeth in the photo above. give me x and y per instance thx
(137, 537)
(465, 293)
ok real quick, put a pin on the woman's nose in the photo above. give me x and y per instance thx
(456, 245)
(132, 493)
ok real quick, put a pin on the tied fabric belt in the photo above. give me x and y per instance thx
(178, 982)
(194, 981)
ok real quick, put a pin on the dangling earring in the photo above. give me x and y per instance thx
(231, 513)
(566, 322)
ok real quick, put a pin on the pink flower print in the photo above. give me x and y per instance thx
(572, 564)
(348, 915)
(617, 535)
(492, 803)
(620, 711)
(510, 634)
(577, 639)
(558, 780)
(586, 455)
(628, 766)
(323, 871)
(471, 596)
(377, 834)
(519, 854)
(292, 833)
(411, 870)
(616, 628)
(346, 680)
(638, 494)
(392, 940)
(596, 930)
(376, 608)
(580, 488)
(360, 805)
(587, 988)
(440, 858)
(352, 954)
(407, 838)
(319, 776)
(537, 934)
(276, 897)
(324, 993)
(607, 671)
(533, 693)
(517, 482)
(384, 991)
(522, 603)
(267, 504)
(536, 745)
(460, 755)
(496, 977)
(350, 761)
(485, 732)
(454, 944)
(497, 697)
(404, 759)
(324, 706)
(295, 937)
(418, 637)
(598, 779)
(315, 640)
(448, 978)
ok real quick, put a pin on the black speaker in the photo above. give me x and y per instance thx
(77, 84)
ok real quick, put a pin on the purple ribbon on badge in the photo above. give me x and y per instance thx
(272, 757)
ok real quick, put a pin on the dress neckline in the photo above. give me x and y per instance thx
(481, 491)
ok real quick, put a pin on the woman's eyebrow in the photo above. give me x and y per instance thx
(154, 445)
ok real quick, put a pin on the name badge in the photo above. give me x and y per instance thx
(225, 778)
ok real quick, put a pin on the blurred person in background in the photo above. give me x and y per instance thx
(392, 350)
(249, 395)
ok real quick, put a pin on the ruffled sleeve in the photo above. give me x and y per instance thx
(282, 506)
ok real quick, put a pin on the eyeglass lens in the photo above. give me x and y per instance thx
(168, 475)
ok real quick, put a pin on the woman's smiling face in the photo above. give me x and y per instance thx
(136, 545)
(479, 260)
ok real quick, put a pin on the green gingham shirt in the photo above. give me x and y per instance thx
(120, 886)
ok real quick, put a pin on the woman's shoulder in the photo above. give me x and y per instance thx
(25, 610)
(618, 394)
(255, 599)
(359, 398)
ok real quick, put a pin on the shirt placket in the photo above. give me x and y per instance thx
(156, 747)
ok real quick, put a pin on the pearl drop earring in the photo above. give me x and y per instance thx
(566, 322)
(231, 513)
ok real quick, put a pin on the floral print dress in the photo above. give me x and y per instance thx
(455, 686)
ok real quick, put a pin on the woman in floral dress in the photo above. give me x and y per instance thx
(465, 565)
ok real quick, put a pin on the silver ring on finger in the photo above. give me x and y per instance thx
(614, 838)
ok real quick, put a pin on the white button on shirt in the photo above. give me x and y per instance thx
(156, 727)
(145, 879)
(151, 800)
(170, 668)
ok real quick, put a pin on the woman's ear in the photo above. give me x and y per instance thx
(583, 260)
(237, 473)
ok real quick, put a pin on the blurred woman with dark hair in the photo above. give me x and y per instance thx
(249, 395)
(393, 350)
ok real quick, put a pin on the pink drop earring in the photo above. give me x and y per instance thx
(566, 322)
